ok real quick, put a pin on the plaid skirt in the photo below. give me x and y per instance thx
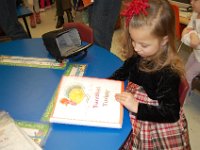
(147, 135)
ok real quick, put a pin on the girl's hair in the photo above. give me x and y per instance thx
(161, 22)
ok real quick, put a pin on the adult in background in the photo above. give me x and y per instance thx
(61, 7)
(103, 15)
(9, 23)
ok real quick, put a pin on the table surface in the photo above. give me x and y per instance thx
(25, 93)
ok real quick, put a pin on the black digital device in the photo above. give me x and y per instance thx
(65, 43)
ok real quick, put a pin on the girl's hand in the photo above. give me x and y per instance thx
(128, 101)
(186, 30)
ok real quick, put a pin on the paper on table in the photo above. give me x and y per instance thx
(12, 137)
(31, 62)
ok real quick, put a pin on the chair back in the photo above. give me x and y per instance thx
(196, 82)
(183, 89)
(177, 22)
(86, 33)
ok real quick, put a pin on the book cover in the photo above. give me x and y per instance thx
(73, 69)
(88, 101)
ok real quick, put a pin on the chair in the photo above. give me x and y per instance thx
(183, 89)
(86, 33)
(196, 83)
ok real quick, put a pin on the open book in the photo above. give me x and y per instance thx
(88, 101)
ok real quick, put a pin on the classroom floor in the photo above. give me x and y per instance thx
(192, 105)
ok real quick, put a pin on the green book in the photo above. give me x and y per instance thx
(75, 69)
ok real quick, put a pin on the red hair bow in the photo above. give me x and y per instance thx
(135, 7)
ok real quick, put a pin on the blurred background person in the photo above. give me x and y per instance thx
(103, 15)
(9, 23)
(44, 4)
(61, 7)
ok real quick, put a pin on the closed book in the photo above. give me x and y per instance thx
(88, 101)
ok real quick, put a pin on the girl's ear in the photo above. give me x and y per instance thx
(164, 41)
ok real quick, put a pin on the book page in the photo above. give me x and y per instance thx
(88, 101)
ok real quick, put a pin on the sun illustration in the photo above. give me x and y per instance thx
(75, 95)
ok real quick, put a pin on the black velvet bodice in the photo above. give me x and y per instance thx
(162, 86)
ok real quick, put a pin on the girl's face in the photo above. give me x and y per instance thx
(144, 43)
(196, 5)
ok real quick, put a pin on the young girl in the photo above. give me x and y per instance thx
(154, 72)
(191, 37)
